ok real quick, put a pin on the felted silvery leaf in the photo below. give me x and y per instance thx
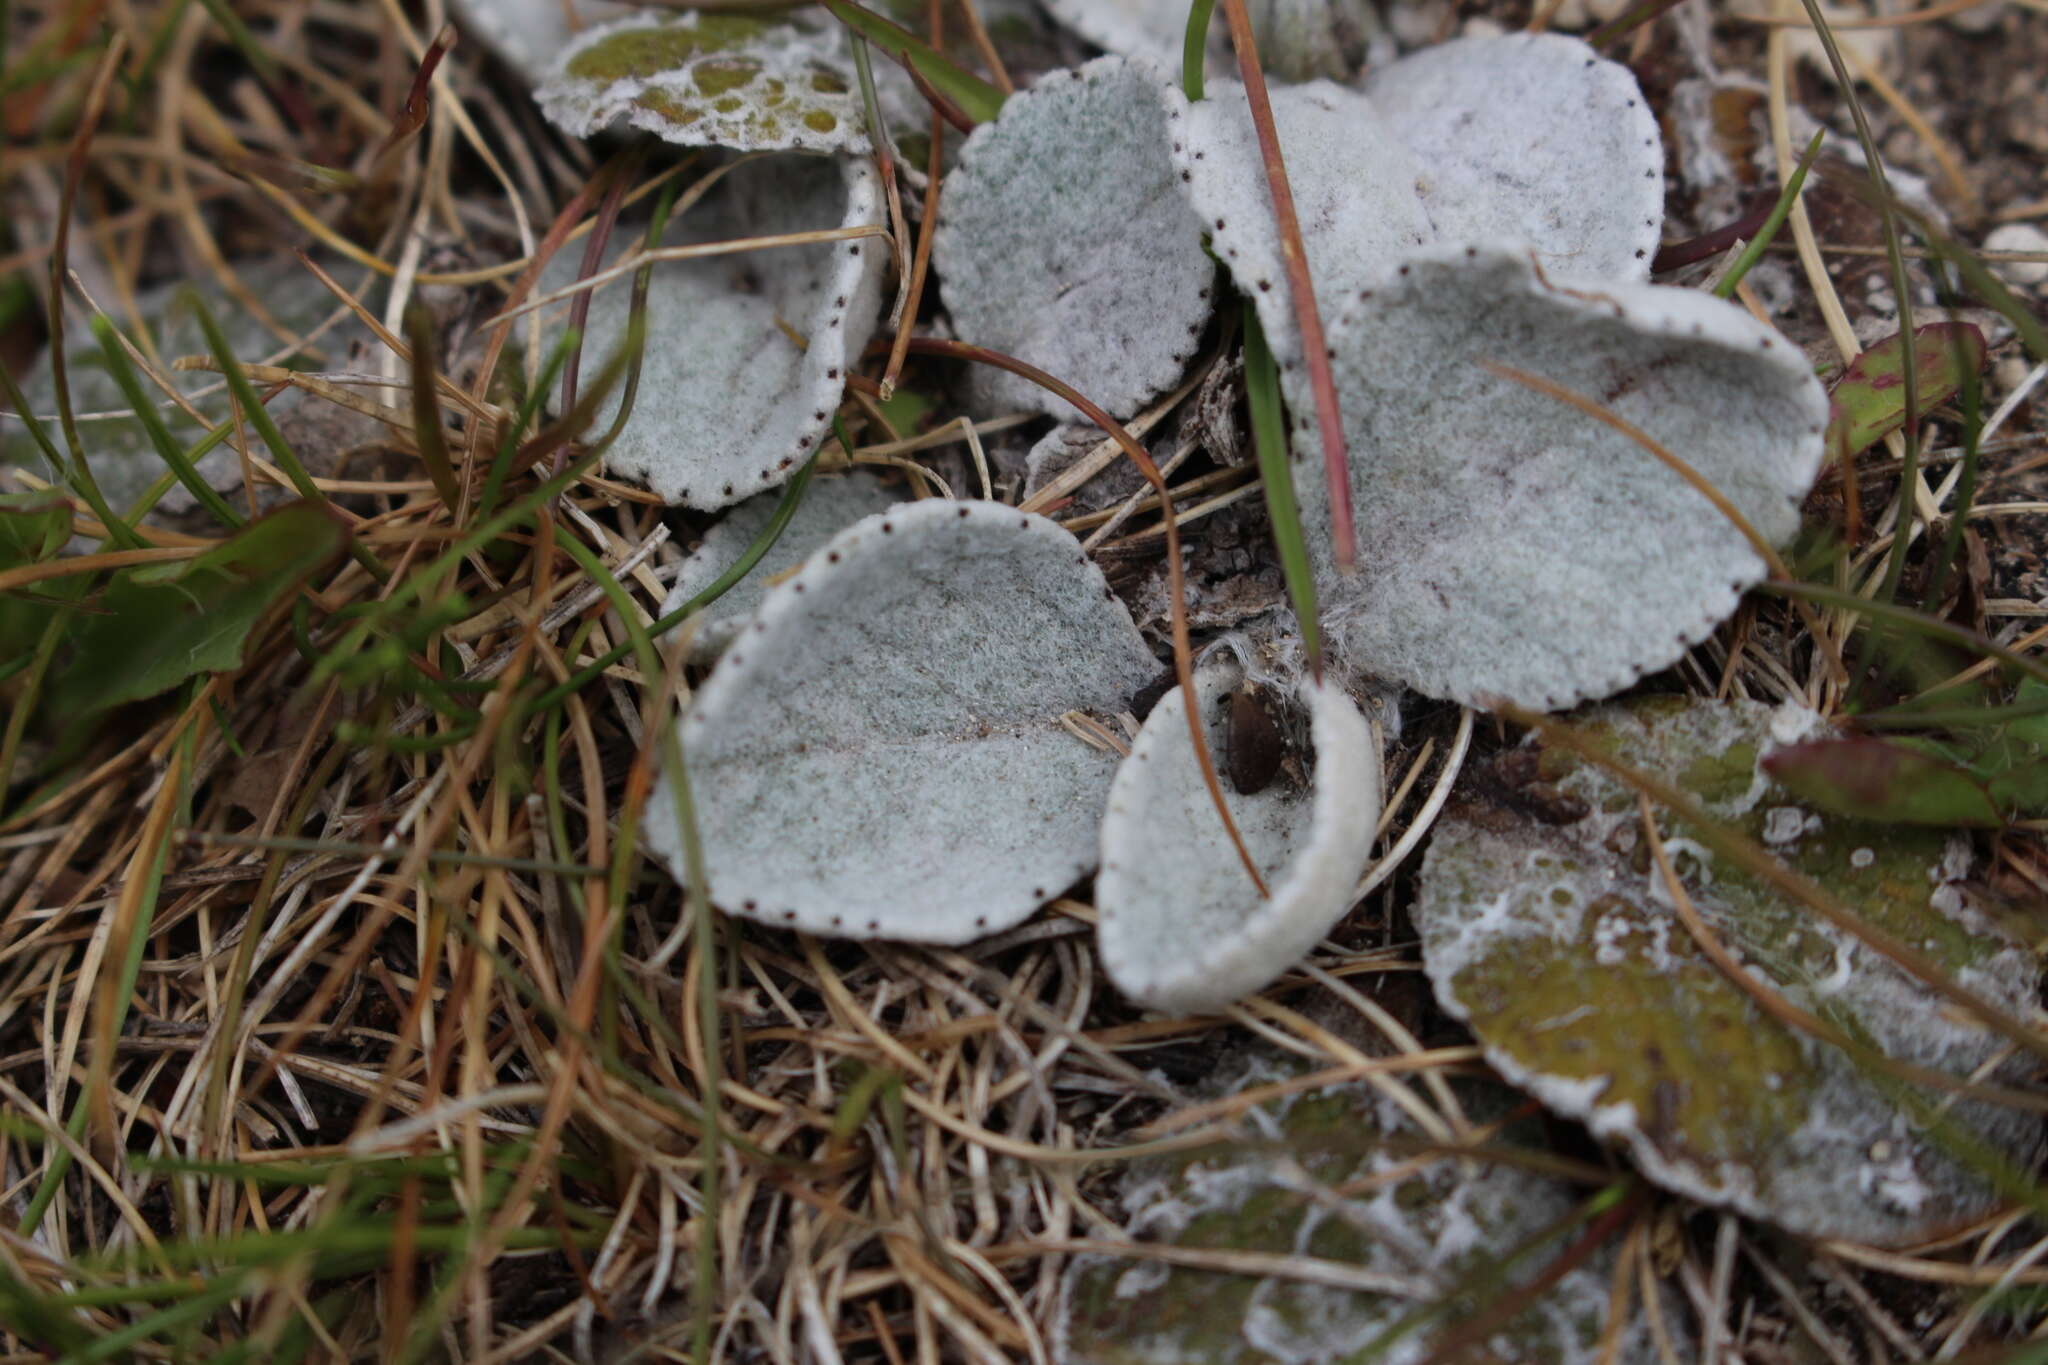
(1512, 547)
(529, 35)
(1532, 139)
(1298, 39)
(730, 80)
(829, 506)
(728, 402)
(1064, 240)
(1555, 939)
(1181, 925)
(1328, 1182)
(1355, 186)
(880, 755)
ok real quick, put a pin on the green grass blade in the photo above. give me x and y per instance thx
(1780, 211)
(792, 494)
(167, 447)
(976, 98)
(1269, 438)
(258, 416)
(77, 476)
(1194, 50)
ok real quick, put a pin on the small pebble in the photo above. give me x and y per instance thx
(2019, 237)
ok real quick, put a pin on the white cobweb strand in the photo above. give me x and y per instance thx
(1181, 925)
(1531, 138)
(1355, 193)
(1066, 243)
(879, 754)
(728, 404)
(1513, 548)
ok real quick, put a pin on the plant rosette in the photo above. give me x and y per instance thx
(1465, 217)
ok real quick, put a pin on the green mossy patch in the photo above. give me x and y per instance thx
(637, 53)
(753, 83)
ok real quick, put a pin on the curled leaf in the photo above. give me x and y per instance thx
(1182, 927)
(1868, 402)
(1066, 243)
(1513, 547)
(880, 753)
(1547, 926)
(746, 354)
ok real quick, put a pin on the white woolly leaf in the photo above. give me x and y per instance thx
(1531, 139)
(1557, 940)
(529, 35)
(1149, 30)
(1298, 39)
(829, 506)
(1511, 546)
(1355, 191)
(1182, 927)
(726, 80)
(728, 403)
(1065, 242)
(880, 754)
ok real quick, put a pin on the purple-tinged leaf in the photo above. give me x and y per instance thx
(1876, 779)
(1869, 401)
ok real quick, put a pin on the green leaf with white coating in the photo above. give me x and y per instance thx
(748, 82)
(1547, 927)
(1328, 1185)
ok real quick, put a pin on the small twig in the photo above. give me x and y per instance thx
(1315, 349)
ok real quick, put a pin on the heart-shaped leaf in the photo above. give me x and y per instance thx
(880, 753)
(1182, 927)
(1547, 926)
(1510, 545)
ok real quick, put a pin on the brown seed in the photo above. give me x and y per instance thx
(1254, 744)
